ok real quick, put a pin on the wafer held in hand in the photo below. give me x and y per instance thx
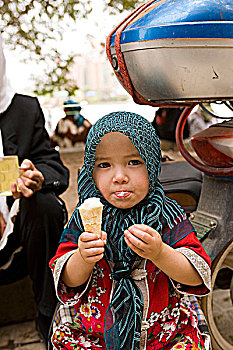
(9, 173)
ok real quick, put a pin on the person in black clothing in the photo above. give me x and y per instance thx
(165, 122)
(36, 210)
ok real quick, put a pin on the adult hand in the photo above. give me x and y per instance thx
(30, 180)
(2, 224)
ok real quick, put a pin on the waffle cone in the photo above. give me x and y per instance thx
(92, 219)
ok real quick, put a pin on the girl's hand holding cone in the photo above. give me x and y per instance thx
(91, 247)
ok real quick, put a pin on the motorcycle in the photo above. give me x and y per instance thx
(213, 221)
(177, 53)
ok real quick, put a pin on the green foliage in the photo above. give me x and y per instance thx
(57, 78)
(35, 25)
(29, 23)
(122, 5)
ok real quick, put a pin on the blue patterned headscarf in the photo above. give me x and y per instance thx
(155, 210)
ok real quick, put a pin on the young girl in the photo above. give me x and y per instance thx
(131, 288)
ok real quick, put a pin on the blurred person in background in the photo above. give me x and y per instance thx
(165, 122)
(32, 219)
(72, 129)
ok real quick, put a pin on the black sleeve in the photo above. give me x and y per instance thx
(46, 159)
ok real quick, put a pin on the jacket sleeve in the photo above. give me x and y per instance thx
(193, 250)
(66, 295)
(46, 159)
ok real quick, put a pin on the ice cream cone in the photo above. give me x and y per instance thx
(91, 215)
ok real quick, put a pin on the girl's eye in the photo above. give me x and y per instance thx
(104, 165)
(134, 162)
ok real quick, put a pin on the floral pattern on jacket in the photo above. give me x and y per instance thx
(169, 316)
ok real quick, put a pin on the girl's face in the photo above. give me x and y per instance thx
(119, 172)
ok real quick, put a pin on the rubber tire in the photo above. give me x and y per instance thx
(224, 260)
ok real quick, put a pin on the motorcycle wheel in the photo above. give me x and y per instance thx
(218, 305)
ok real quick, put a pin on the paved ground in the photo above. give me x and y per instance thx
(23, 336)
(223, 313)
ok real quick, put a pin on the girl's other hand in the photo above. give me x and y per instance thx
(91, 247)
(144, 240)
